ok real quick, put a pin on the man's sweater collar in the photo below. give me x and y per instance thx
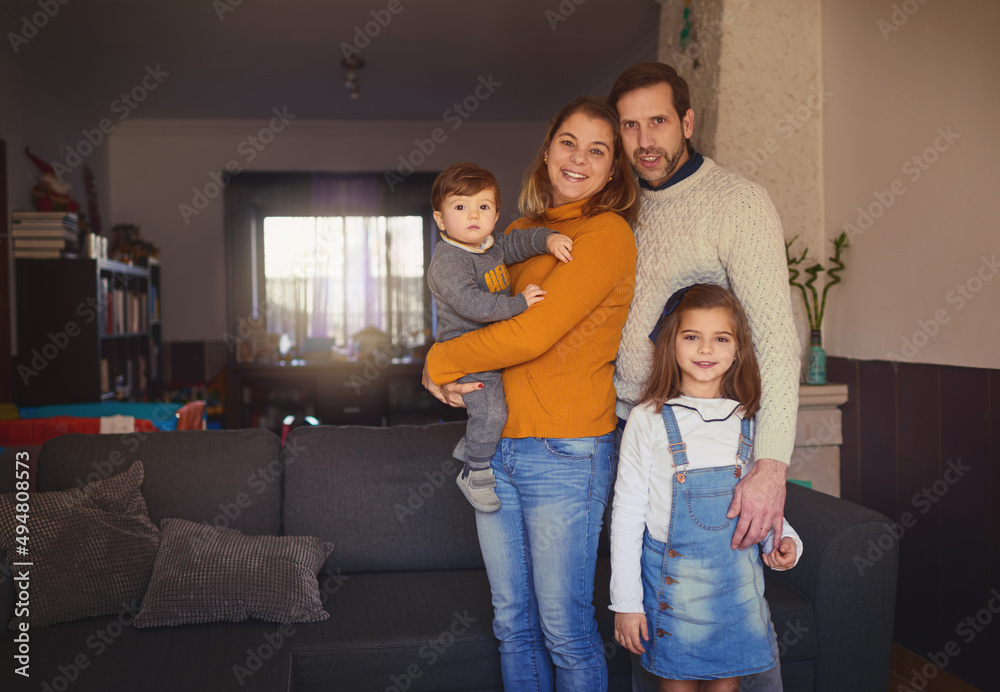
(686, 171)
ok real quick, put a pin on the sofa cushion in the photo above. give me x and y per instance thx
(409, 630)
(420, 631)
(108, 653)
(385, 497)
(210, 574)
(229, 478)
(90, 548)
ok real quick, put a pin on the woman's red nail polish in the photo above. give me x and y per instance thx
(480, 385)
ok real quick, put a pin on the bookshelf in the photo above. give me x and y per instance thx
(87, 330)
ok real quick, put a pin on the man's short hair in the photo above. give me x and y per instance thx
(647, 74)
(465, 179)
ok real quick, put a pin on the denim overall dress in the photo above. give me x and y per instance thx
(704, 601)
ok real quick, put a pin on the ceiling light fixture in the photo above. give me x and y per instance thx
(352, 64)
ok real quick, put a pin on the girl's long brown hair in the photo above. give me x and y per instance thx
(619, 195)
(740, 383)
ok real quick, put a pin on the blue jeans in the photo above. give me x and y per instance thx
(540, 551)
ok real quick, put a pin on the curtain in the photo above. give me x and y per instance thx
(364, 266)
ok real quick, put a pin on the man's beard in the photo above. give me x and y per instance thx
(669, 162)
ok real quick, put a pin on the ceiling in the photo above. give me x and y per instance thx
(242, 58)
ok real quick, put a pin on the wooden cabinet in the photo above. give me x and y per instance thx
(87, 330)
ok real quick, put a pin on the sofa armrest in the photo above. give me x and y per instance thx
(848, 572)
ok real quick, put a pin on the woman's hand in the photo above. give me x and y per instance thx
(450, 393)
(629, 627)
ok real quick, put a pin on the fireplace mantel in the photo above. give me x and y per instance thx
(816, 456)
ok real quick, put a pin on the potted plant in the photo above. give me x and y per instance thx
(815, 300)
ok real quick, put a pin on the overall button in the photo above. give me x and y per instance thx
(664, 606)
(670, 580)
(660, 633)
(673, 553)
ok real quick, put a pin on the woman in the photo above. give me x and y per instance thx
(555, 463)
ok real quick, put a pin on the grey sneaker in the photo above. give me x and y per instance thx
(478, 490)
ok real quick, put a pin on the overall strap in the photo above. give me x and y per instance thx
(677, 447)
(746, 445)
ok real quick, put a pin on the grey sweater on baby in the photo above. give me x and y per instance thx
(471, 287)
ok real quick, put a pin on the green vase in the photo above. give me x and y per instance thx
(816, 364)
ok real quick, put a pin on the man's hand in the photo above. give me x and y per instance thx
(629, 627)
(559, 245)
(450, 393)
(759, 502)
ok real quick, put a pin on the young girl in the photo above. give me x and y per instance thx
(675, 583)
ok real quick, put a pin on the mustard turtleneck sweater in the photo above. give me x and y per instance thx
(557, 356)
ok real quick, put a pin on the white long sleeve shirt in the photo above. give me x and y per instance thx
(644, 489)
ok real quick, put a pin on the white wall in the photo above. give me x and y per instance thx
(754, 70)
(898, 80)
(34, 116)
(156, 166)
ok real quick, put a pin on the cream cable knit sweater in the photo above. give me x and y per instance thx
(717, 227)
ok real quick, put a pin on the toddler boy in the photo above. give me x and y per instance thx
(468, 279)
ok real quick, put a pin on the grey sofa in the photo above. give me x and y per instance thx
(405, 587)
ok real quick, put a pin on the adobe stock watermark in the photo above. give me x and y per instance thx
(257, 482)
(32, 24)
(161, 413)
(249, 148)
(123, 106)
(257, 656)
(432, 651)
(223, 7)
(87, 311)
(365, 33)
(913, 168)
(420, 494)
(455, 116)
(967, 629)
(100, 641)
(900, 15)
(959, 297)
(924, 501)
(787, 126)
(793, 634)
(563, 12)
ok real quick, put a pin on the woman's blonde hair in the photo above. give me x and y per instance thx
(619, 195)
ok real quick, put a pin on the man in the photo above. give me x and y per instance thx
(700, 223)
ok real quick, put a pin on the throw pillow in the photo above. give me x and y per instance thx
(205, 573)
(92, 548)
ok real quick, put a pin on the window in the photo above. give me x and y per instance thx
(327, 278)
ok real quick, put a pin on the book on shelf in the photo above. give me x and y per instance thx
(45, 221)
(105, 376)
(45, 233)
(39, 244)
(43, 254)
